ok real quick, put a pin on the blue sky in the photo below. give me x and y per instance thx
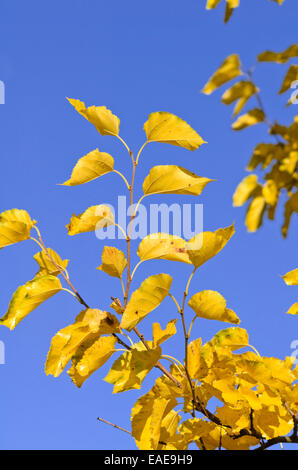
(135, 58)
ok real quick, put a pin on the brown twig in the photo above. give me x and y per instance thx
(114, 425)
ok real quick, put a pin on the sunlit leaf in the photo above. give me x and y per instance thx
(233, 337)
(145, 299)
(206, 245)
(293, 310)
(94, 218)
(146, 419)
(240, 92)
(228, 70)
(89, 167)
(163, 246)
(46, 265)
(291, 207)
(173, 179)
(212, 305)
(252, 117)
(194, 358)
(102, 118)
(89, 357)
(113, 261)
(160, 335)
(170, 129)
(15, 226)
(131, 368)
(90, 324)
(291, 278)
(28, 297)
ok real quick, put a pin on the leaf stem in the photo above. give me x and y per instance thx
(122, 176)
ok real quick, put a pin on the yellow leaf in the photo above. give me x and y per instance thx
(102, 118)
(173, 179)
(89, 357)
(117, 307)
(252, 117)
(89, 167)
(293, 310)
(163, 246)
(15, 226)
(270, 192)
(194, 358)
(146, 419)
(113, 261)
(211, 305)
(240, 92)
(160, 335)
(254, 214)
(291, 278)
(89, 325)
(46, 265)
(228, 70)
(279, 57)
(212, 4)
(145, 299)
(206, 245)
(131, 368)
(94, 218)
(28, 297)
(170, 129)
(233, 338)
(245, 190)
(291, 76)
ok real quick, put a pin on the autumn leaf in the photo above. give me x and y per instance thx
(241, 92)
(89, 357)
(206, 245)
(113, 261)
(251, 118)
(28, 297)
(90, 167)
(47, 266)
(229, 69)
(254, 214)
(291, 77)
(94, 218)
(131, 368)
(89, 324)
(291, 278)
(160, 335)
(279, 57)
(163, 246)
(170, 129)
(211, 305)
(245, 190)
(173, 179)
(15, 226)
(145, 299)
(102, 118)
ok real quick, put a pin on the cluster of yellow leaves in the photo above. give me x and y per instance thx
(256, 397)
(279, 158)
(230, 6)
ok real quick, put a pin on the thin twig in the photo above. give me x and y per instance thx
(114, 425)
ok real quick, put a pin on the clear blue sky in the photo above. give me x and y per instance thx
(134, 57)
